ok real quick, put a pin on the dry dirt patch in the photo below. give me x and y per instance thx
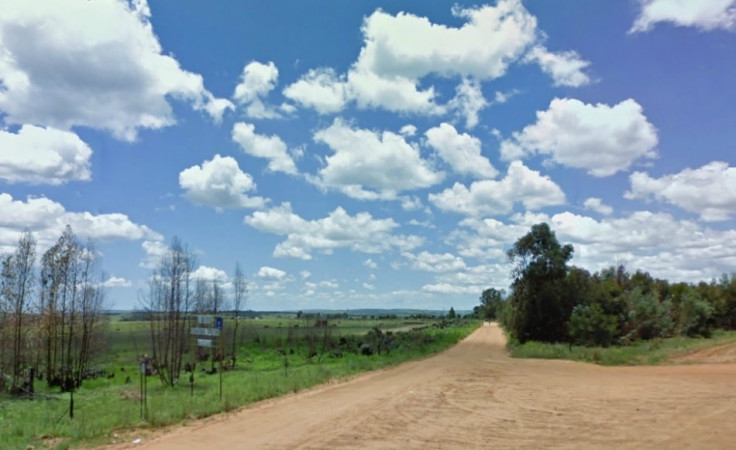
(721, 354)
(474, 396)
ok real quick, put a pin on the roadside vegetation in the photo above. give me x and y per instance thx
(276, 355)
(610, 317)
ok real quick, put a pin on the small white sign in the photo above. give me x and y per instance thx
(204, 320)
(205, 331)
(204, 342)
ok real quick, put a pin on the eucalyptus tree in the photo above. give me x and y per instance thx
(540, 310)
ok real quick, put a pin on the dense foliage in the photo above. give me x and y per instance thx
(553, 302)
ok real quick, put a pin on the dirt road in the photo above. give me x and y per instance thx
(474, 396)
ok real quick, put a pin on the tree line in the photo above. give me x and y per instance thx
(552, 301)
(51, 323)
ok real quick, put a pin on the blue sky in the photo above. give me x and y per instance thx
(350, 155)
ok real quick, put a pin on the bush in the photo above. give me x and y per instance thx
(589, 325)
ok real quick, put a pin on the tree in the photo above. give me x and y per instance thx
(16, 289)
(168, 302)
(539, 309)
(491, 304)
(451, 314)
(240, 292)
(70, 304)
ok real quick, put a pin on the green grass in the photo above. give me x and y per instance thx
(105, 407)
(657, 351)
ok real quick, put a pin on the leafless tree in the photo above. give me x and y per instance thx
(16, 291)
(169, 301)
(70, 306)
(240, 294)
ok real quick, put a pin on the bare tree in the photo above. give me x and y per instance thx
(201, 297)
(16, 289)
(240, 293)
(217, 297)
(169, 302)
(70, 305)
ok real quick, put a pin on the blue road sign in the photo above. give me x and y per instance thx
(218, 323)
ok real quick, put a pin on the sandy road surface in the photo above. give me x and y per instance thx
(474, 396)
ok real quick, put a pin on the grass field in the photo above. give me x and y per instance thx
(656, 351)
(105, 407)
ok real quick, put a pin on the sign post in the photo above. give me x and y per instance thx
(218, 326)
(205, 336)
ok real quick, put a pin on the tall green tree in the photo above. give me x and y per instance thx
(491, 304)
(540, 308)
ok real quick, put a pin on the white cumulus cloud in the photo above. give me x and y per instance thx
(47, 220)
(256, 81)
(96, 64)
(372, 165)
(270, 273)
(599, 138)
(219, 183)
(461, 151)
(709, 191)
(360, 233)
(489, 197)
(262, 146)
(597, 205)
(435, 262)
(401, 50)
(116, 282)
(40, 155)
(704, 14)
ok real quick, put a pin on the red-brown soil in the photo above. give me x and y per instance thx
(475, 396)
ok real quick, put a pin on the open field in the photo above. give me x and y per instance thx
(475, 396)
(109, 404)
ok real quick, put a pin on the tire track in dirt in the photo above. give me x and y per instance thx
(474, 396)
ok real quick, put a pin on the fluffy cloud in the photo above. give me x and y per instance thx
(565, 68)
(206, 273)
(116, 282)
(409, 46)
(372, 165)
(703, 14)
(219, 183)
(369, 263)
(489, 197)
(678, 250)
(709, 190)
(408, 130)
(43, 155)
(270, 273)
(469, 101)
(47, 220)
(460, 151)
(110, 76)
(435, 262)
(320, 89)
(399, 51)
(470, 280)
(666, 247)
(361, 233)
(597, 205)
(261, 146)
(154, 250)
(600, 138)
(256, 82)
